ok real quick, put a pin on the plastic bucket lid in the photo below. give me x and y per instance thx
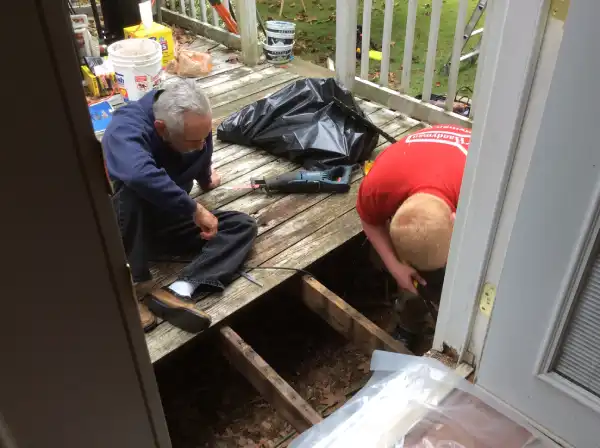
(134, 51)
(281, 26)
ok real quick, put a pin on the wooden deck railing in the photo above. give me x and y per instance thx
(185, 13)
(345, 55)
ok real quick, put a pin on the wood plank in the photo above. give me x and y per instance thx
(223, 111)
(243, 164)
(234, 73)
(167, 338)
(234, 85)
(229, 153)
(271, 386)
(298, 256)
(272, 210)
(253, 88)
(301, 226)
(221, 196)
(367, 106)
(346, 320)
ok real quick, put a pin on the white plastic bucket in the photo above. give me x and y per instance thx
(280, 33)
(278, 54)
(137, 64)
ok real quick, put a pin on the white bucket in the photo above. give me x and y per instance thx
(137, 64)
(278, 54)
(280, 33)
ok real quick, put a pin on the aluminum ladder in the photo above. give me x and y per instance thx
(470, 32)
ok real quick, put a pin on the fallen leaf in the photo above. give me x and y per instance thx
(332, 399)
(331, 17)
(292, 5)
(364, 366)
(392, 43)
(437, 84)
(312, 19)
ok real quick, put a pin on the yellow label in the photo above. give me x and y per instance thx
(160, 33)
(368, 166)
(486, 304)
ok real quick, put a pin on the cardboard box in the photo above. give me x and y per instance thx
(160, 33)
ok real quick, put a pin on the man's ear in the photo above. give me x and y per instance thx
(453, 217)
(160, 127)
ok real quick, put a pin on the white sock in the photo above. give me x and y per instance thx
(182, 288)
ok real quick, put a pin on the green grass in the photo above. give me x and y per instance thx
(315, 37)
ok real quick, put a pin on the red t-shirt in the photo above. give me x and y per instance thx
(429, 161)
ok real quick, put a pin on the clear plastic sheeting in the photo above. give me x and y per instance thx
(302, 123)
(415, 402)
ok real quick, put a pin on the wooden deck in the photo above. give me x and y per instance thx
(294, 230)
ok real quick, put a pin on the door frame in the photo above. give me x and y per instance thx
(512, 52)
(80, 373)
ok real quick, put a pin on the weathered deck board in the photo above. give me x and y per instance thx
(255, 77)
(284, 220)
(167, 338)
(259, 205)
(294, 230)
(253, 88)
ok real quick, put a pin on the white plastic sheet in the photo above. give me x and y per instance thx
(415, 402)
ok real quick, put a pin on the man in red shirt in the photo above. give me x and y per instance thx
(407, 202)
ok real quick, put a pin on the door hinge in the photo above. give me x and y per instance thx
(559, 9)
(486, 302)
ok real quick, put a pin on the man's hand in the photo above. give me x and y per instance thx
(215, 180)
(207, 222)
(405, 276)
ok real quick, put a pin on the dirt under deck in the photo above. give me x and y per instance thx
(209, 404)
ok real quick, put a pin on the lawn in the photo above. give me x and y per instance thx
(315, 36)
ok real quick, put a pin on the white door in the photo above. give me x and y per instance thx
(542, 352)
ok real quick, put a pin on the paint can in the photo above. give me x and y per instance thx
(278, 54)
(280, 32)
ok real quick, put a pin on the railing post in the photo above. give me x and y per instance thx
(434, 28)
(409, 38)
(461, 20)
(246, 10)
(366, 39)
(203, 10)
(388, 19)
(345, 42)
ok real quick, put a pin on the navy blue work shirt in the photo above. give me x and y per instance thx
(139, 158)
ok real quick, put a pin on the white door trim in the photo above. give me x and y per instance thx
(514, 39)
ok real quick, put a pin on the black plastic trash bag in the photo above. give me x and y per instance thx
(302, 123)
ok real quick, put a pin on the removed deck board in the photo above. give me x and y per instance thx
(294, 230)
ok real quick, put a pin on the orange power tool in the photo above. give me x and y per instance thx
(225, 16)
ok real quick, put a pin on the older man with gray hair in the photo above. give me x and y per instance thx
(154, 149)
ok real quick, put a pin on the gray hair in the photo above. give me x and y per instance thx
(180, 95)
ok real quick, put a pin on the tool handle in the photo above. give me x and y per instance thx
(365, 121)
